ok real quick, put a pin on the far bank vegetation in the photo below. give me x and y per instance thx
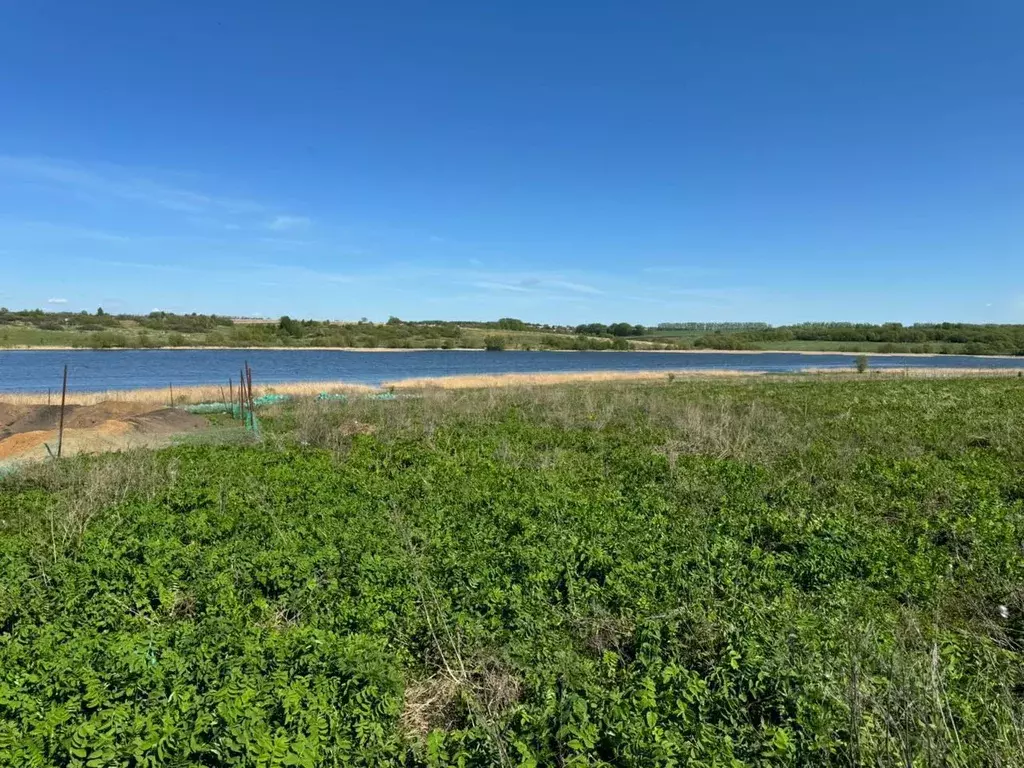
(102, 330)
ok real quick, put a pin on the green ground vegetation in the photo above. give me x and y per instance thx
(795, 572)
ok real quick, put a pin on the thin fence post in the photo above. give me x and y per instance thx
(63, 399)
(231, 392)
(171, 387)
(248, 385)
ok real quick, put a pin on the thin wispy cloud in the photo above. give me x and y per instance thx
(62, 231)
(300, 274)
(540, 284)
(288, 223)
(108, 183)
(56, 301)
(577, 287)
(490, 286)
(119, 182)
(143, 265)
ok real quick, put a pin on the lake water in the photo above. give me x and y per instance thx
(37, 370)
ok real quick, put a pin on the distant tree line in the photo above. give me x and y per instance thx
(927, 337)
(101, 320)
(100, 329)
(615, 329)
(712, 326)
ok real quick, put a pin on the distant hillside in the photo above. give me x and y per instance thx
(101, 330)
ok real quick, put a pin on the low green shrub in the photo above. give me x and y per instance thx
(771, 573)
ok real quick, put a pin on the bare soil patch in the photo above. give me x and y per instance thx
(25, 430)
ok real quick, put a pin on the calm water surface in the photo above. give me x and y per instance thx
(37, 370)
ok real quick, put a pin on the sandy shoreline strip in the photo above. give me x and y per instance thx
(219, 393)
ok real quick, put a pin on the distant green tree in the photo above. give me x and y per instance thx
(511, 324)
(100, 312)
(861, 363)
(394, 320)
(290, 327)
(494, 343)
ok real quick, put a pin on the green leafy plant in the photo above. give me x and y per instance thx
(710, 573)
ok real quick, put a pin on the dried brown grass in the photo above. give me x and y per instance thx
(920, 373)
(182, 395)
(218, 393)
(480, 381)
(445, 700)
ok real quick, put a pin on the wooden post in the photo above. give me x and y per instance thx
(48, 395)
(171, 387)
(248, 386)
(63, 398)
(231, 391)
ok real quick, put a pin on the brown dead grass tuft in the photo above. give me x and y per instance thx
(603, 632)
(444, 700)
(722, 430)
(429, 705)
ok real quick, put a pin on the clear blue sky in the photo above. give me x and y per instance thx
(555, 161)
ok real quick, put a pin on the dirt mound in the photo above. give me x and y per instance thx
(34, 418)
(23, 443)
(91, 415)
(167, 421)
(31, 418)
(25, 431)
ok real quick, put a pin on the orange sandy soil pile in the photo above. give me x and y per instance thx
(25, 430)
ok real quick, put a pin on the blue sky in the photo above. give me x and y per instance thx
(559, 162)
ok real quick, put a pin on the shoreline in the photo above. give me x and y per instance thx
(31, 348)
(187, 395)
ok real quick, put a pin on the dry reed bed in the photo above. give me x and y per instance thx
(215, 393)
(922, 373)
(182, 395)
(483, 381)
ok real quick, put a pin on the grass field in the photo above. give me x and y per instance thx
(712, 573)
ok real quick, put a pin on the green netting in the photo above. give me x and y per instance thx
(211, 408)
(270, 399)
(332, 396)
(233, 408)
